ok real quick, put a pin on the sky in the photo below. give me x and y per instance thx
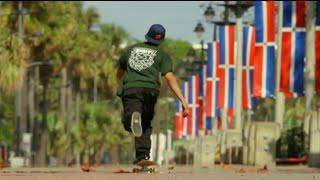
(178, 17)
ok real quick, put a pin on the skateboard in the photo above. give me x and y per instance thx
(144, 167)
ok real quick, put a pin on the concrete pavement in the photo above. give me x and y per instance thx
(171, 172)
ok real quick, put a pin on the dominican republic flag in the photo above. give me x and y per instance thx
(212, 110)
(226, 67)
(194, 92)
(264, 64)
(317, 40)
(212, 79)
(185, 93)
(202, 124)
(178, 120)
(293, 47)
(249, 39)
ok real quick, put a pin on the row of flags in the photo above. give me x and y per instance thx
(212, 89)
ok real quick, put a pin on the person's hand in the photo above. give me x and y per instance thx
(185, 108)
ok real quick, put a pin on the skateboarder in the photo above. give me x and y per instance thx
(139, 69)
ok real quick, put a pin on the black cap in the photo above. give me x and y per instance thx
(156, 34)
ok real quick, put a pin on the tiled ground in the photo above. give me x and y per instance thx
(166, 173)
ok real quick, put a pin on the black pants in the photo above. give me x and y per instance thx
(142, 100)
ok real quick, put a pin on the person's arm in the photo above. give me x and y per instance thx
(173, 84)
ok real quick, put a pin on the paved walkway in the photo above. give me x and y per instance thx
(171, 172)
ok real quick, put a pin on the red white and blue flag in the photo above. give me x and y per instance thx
(264, 64)
(212, 110)
(202, 122)
(212, 80)
(194, 92)
(226, 67)
(317, 46)
(293, 47)
(249, 39)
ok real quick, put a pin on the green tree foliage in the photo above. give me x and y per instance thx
(99, 131)
(57, 138)
(177, 49)
(13, 57)
(292, 143)
(6, 124)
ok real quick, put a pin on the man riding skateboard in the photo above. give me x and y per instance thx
(139, 69)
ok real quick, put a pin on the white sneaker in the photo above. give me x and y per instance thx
(136, 127)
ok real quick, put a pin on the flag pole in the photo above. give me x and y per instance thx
(238, 70)
(310, 119)
(280, 99)
(310, 56)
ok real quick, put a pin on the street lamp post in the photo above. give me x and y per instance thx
(209, 16)
(199, 30)
(20, 115)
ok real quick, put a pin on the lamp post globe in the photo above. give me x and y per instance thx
(199, 30)
(209, 14)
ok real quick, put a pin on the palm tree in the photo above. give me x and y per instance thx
(12, 61)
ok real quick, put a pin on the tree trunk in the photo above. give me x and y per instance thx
(31, 100)
(59, 159)
(24, 103)
(41, 158)
(63, 92)
(34, 123)
(77, 110)
(114, 155)
(98, 155)
(70, 115)
(69, 99)
(63, 98)
(78, 102)
(86, 157)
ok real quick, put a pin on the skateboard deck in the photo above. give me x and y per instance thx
(144, 167)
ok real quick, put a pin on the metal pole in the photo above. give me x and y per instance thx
(18, 99)
(202, 54)
(214, 31)
(238, 70)
(309, 74)
(280, 99)
(31, 88)
(311, 117)
(21, 30)
(226, 12)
